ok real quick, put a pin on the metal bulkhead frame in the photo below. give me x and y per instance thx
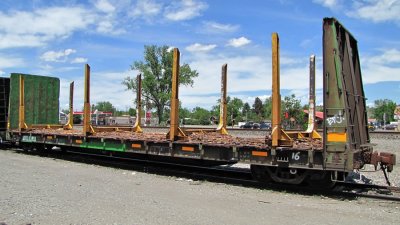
(22, 126)
(346, 138)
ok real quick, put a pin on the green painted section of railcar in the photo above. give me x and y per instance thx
(107, 145)
(94, 144)
(41, 99)
(118, 147)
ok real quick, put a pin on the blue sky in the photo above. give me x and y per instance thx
(58, 37)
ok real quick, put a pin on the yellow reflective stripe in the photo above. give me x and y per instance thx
(258, 153)
(134, 145)
(188, 148)
(337, 137)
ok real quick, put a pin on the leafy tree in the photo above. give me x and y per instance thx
(246, 110)
(66, 111)
(234, 109)
(157, 71)
(184, 114)
(383, 106)
(258, 107)
(201, 116)
(104, 107)
(132, 112)
(268, 108)
(293, 108)
(319, 108)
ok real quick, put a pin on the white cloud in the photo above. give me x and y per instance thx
(286, 60)
(332, 4)
(376, 10)
(32, 29)
(59, 56)
(373, 10)
(388, 56)
(383, 67)
(200, 48)
(105, 86)
(146, 9)
(214, 27)
(108, 25)
(238, 42)
(184, 10)
(2, 73)
(10, 62)
(245, 73)
(79, 60)
(104, 6)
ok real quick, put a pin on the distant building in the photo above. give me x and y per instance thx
(319, 118)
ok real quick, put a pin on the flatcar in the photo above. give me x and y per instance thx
(282, 156)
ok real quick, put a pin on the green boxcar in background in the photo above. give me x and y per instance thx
(41, 99)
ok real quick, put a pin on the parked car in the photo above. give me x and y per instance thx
(371, 127)
(256, 126)
(265, 126)
(247, 125)
(391, 127)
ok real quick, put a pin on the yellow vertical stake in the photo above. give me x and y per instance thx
(87, 127)
(136, 127)
(279, 137)
(276, 97)
(312, 127)
(21, 111)
(223, 109)
(70, 122)
(175, 132)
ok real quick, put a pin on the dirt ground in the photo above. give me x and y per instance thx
(38, 190)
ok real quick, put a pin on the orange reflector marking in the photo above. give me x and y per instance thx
(258, 153)
(188, 148)
(49, 137)
(337, 137)
(136, 145)
(78, 141)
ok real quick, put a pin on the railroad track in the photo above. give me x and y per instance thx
(221, 174)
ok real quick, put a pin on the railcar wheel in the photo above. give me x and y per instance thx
(288, 175)
(321, 180)
(260, 173)
(26, 148)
